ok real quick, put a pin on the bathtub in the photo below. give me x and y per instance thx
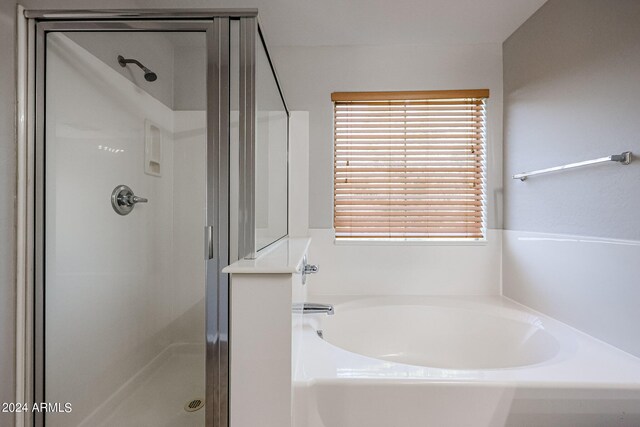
(463, 361)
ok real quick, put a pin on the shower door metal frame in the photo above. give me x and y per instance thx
(215, 24)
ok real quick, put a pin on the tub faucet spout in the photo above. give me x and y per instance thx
(313, 308)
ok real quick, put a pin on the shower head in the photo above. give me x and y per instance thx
(149, 75)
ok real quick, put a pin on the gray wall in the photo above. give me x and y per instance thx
(572, 92)
(309, 75)
(7, 207)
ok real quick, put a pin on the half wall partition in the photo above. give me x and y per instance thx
(156, 135)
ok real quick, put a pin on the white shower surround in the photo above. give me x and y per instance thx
(147, 267)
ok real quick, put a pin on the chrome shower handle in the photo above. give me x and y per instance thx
(132, 199)
(123, 200)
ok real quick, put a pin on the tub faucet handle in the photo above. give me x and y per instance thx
(308, 269)
(311, 269)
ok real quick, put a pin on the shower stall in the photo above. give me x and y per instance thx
(158, 146)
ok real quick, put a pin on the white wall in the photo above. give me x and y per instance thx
(309, 75)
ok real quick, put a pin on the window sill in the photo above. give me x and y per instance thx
(409, 242)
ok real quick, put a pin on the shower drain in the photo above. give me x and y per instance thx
(193, 405)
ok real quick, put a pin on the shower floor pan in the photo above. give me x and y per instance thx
(158, 394)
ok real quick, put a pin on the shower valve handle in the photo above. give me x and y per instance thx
(123, 200)
(132, 200)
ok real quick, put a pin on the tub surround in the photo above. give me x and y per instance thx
(588, 282)
(371, 268)
(567, 277)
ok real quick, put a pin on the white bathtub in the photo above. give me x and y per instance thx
(486, 361)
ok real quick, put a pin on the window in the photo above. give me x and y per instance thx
(409, 165)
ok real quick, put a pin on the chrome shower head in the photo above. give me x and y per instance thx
(149, 75)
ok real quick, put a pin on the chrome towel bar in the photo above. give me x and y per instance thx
(624, 158)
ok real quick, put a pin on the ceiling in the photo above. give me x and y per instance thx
(389, 22)
(364, 22)
(379, 22)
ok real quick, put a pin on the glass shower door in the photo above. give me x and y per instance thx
(125, 200)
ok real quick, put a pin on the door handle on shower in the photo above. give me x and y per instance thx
(209, 249)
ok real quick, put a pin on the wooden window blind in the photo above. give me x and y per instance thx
(409, 165)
